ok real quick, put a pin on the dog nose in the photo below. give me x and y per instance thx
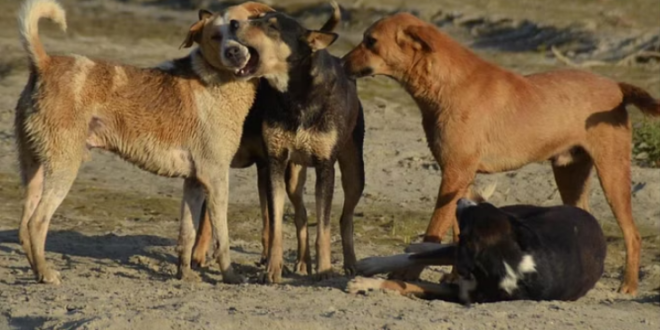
(234, 25)
(232, 53)
(463, 204)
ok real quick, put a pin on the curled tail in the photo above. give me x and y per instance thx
(28, 25)
(641, 99)
(334, 19)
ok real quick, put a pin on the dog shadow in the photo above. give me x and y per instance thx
(140, 253)
(136, 252)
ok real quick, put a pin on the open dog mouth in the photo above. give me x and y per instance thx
(251, 65)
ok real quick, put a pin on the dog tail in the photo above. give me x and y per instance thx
(641, 99)
(334, 20)
(483, 195)
(31, 12)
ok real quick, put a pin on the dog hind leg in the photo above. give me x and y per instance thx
(59, 176)
(191, 210)
(573, 181)
(32, 174)
(351, 164)
(203, 239)
(611, 150)
(296, 176)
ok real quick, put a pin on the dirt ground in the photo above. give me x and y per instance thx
(113, 239)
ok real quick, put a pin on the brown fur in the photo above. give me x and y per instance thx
(146, 116)
(480, 118)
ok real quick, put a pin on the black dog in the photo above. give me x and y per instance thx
(511, 253)
(314, 118)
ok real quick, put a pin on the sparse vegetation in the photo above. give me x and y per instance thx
(646, 143)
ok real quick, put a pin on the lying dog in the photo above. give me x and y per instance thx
(251, 152)
(511, 253)
(315, 119)
(183, 119)
(470, 108)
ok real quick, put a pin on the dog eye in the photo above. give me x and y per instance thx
(369, 41)
(273, 27)
(217, 37)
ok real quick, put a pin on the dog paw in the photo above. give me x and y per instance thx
(324, 275)
(272, 275)
(188, 275)
(50, 276)
(350, 269)
(303, 268)
(363, 284)
(628, 289)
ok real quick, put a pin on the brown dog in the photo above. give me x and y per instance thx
(183, 119)
(472, 108)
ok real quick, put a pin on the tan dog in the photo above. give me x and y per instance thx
(480, 118)
(183, 119)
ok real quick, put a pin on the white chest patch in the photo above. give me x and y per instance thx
(465, 287)
(510, 281)
(278, 81)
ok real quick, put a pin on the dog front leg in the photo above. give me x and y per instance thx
(262, 183)
(325, 183)
(191, 209)
(216, 203)
(455, 183)
(276, 192)
(442, 291)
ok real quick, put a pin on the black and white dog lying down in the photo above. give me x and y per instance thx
(509, 253)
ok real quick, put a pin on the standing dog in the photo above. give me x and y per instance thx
(471, 107)
(251, 152)
(315, 119)
(183, 119)
(512, 253)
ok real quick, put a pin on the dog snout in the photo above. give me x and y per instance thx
(233, 54)
(234, 25)
(463, 204)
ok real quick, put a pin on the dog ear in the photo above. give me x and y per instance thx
(194, 33)
(420, 36)
(256, 9)
(318, 40)
(525, 236)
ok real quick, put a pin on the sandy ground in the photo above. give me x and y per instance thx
(113, 238)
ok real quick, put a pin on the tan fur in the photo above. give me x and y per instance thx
(480, 118)
(186, 123)
(29, 16)
(303, 143)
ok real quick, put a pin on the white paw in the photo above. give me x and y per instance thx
(363, 284)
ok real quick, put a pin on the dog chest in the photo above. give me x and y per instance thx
(302, 145)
